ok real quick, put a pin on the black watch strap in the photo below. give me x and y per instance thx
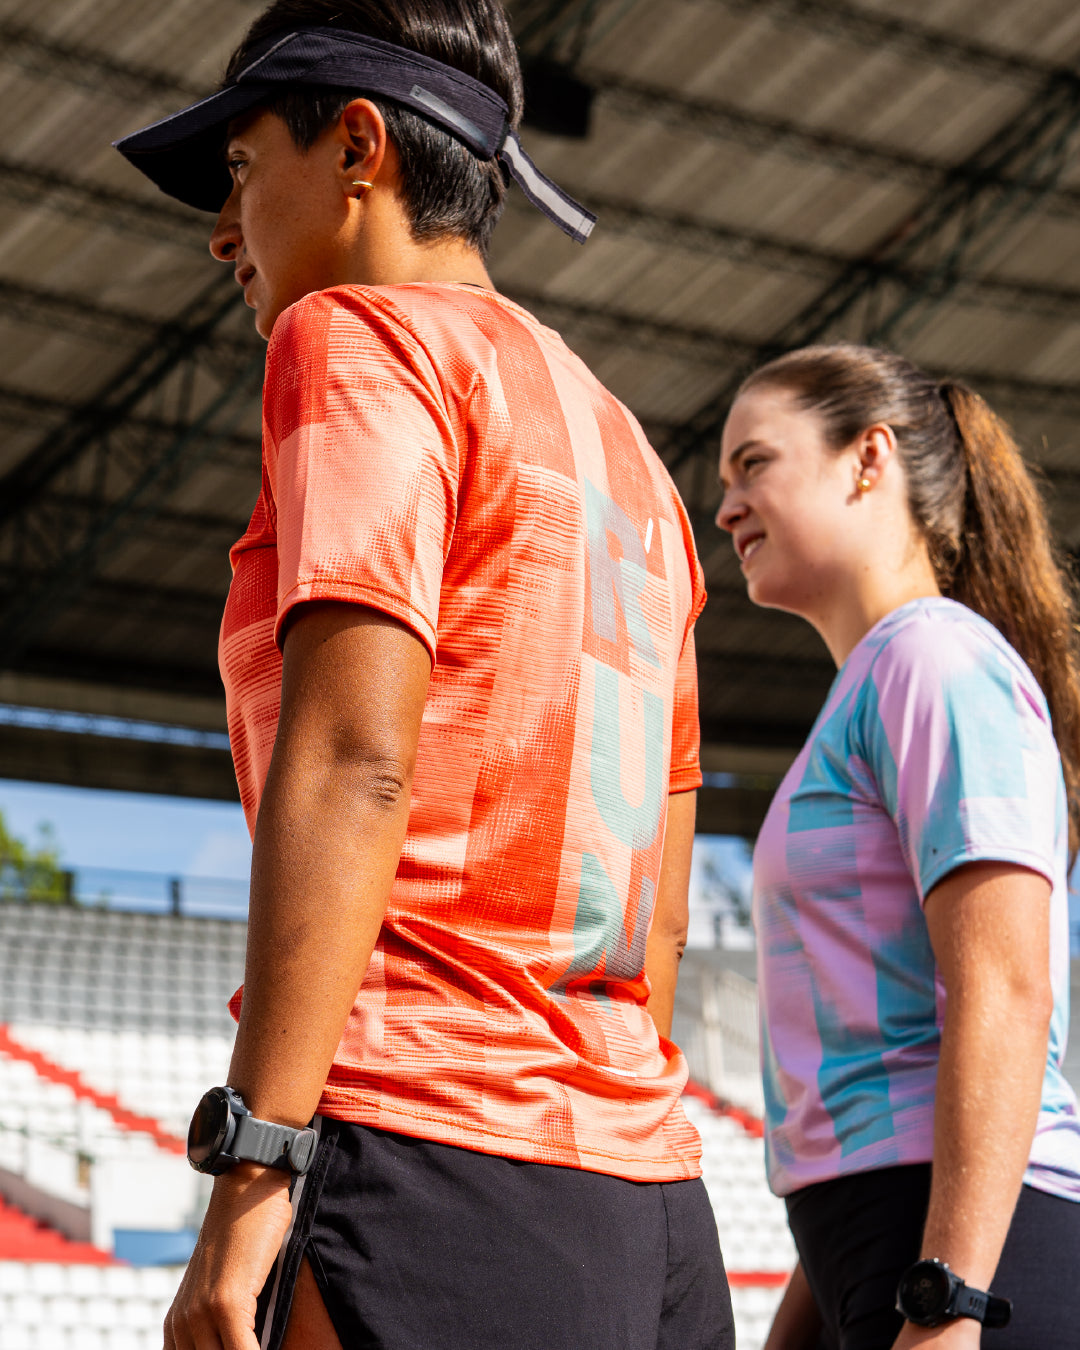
(998, 1311)
(983, 1307)
(282, 1146)
(967, 1302)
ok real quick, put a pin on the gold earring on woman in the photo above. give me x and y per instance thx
(362, 183)
(863, 485)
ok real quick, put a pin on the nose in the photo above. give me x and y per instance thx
(226, 241)
(732, 510)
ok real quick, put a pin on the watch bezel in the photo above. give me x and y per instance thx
(928, 1270)
(224, 1127)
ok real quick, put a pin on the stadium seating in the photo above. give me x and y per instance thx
(754, 1237)
(115, 1024)
(49, 1305)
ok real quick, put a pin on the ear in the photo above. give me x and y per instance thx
(360, 136)
(875, 448)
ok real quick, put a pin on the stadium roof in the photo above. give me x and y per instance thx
(766, 172)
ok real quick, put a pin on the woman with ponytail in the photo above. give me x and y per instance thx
(910, 878)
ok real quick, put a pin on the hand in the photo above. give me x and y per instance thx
(245, 1222)
(962, 1333)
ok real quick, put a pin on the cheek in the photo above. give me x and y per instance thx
(797, 558)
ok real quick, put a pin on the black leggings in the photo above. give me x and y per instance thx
(857, 1235)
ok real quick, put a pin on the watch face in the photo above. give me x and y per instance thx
(924, 1291)
(208, 1130)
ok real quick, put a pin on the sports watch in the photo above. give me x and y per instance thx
(223, 1132)
(929, 1294)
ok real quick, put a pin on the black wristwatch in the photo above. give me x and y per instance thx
(929, 1294)
(223, 1132)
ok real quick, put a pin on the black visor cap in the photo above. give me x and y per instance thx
(183, 154)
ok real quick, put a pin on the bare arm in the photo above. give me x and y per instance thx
(331, 826)
(990, 930)
(671, 914)
(797, 1322)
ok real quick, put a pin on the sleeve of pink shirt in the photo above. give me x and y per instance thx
(362, 460)
(956, 734)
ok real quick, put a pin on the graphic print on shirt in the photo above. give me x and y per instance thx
(616, 584)
(934, 750)
(426, 451)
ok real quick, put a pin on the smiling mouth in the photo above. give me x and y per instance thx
(746, 548)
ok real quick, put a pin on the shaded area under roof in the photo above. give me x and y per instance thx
(766, 172)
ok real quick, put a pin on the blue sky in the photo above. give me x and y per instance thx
(177, 835)
(152, 833)
(132, 830)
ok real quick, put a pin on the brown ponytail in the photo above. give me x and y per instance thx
(974, 500)
(1008, 570)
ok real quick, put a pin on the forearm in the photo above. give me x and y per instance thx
(662, 957)
(993, 1054)
(326, 850)
(670, 917)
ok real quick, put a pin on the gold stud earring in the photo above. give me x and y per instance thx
(362, 183)
(863, 485)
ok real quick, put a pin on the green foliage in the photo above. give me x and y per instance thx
(31, 871)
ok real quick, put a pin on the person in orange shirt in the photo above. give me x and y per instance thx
(459, 665)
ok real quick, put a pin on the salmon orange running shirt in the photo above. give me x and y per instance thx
(435, 453)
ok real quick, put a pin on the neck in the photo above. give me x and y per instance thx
(386, 254)
(849, 616)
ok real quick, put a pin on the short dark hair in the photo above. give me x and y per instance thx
(447, 190)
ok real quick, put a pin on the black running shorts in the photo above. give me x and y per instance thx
(423, 1246)
(858, 1234)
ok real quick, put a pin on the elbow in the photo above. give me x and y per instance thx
(1030, 997)
(1039, 1000)
(673, 937)
(376, 772)
(1023, 1004)
(383, 783)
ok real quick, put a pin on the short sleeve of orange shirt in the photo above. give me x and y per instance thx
(435, 453)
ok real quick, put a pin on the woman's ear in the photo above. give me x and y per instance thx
(360, 135)
(876, 448)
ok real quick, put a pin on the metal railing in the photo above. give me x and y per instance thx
(118, 888)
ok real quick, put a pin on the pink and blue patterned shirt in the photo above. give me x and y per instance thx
(934, 749)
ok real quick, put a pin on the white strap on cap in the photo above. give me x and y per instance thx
(547, 196)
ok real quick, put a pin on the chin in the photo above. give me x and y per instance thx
(771, 593)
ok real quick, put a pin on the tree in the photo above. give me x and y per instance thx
(32, 871)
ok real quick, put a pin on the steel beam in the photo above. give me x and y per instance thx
(726, 122)
(19, 408)
(715, 120)
(115, 763)
(75, 315)
(951, 231)
(169, 605)
(673, 230)
(606, 324)
(52, 660)
(172, 346)
(876, 31)
(120, 474)
(90, 68)
(147, 217)
(186, 531)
